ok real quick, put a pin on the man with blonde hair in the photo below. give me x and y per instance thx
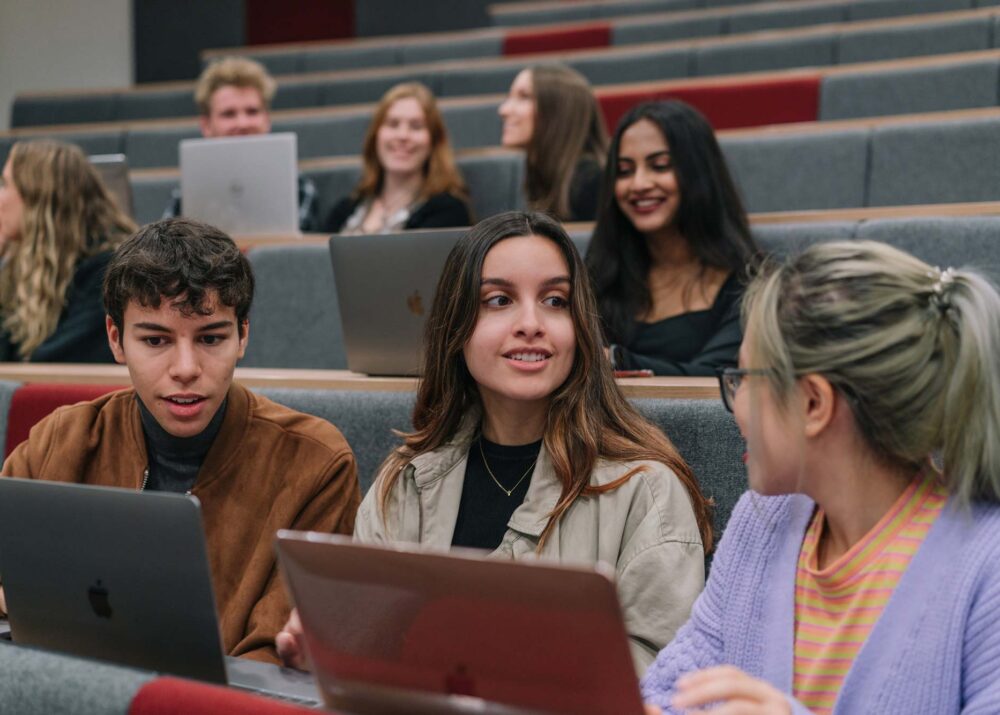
(234, 96)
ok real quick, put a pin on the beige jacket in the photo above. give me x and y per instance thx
(645, 529)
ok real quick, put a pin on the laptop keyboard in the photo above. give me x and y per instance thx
(314, 703)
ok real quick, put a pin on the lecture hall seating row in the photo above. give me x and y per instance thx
(947, 157)
(889, 87)
(295, 320)
(822, 45)
(584, 25)
(37, 682)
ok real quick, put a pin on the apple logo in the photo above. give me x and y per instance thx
(98, 597)
(415, 303)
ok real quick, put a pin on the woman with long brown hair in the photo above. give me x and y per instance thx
(551, 113)
(523, 444)
(408, 178)
(58, 227)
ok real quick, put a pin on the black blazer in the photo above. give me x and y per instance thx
(439, 211)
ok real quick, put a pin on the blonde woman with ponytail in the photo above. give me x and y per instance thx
(58, 227)
(864, 574)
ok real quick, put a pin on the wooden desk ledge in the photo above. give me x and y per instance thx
(697, 388)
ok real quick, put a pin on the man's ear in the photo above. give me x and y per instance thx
(819, 401)
(203, 125)
(244, 333)
(114, 340)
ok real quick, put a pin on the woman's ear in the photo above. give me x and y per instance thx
(818, 402)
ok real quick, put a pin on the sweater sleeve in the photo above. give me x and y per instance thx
(330, 508)
(699, 642)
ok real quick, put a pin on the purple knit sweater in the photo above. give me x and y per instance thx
(935, 649)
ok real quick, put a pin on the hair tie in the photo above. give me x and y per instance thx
(939, 290)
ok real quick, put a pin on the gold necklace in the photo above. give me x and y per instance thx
(489, 471)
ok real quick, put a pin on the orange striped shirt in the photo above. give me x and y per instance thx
(836, 608)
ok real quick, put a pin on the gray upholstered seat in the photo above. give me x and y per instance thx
(295, 318)
(153, 147)
(911, 90)
(927, 38)
(799, 171)
(767, 54)
(150, 196)
(939, 162)
(37, 682)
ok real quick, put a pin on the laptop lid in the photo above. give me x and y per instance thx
(385, 289)
(242, 185)
(111, 574)
(113, 170)
(395, 630)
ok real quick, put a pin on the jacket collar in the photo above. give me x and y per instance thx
(440, 475)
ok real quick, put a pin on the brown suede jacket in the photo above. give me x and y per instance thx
(269, 468)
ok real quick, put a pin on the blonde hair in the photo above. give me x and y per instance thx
(68, 215)
(440, 173)
(568, 127)
(233, 72)
(915, 351)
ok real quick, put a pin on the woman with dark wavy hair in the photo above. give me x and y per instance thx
(672, 247)
(524, 445)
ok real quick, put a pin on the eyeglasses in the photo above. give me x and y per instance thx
(730, 379)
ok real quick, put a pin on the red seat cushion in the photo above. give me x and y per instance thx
(34, 401)
(175, 696)
(524, 42)
(728, 105)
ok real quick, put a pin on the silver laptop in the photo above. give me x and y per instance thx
(392, 630)
(242, 185)
(113, 170)
(385, 289)
(120, 576)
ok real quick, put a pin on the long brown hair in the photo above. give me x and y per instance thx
(440, 172)
(568, 127)
(588, 419)
(68, 216)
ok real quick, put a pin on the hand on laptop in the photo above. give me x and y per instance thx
(289, 645)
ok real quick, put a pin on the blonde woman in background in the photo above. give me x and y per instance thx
(551, 113)
(864, 574)
(408, 178)
(58, 228)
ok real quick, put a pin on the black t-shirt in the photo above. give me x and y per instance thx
(485, 507)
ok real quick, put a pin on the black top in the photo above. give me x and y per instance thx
(442, 210)
(80, 335)
(584, 190)
(694, 343)
(485, 509)
(174, 462)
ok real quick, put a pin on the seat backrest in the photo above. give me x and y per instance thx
(30, 403)
(295, 317)
(707, 438)
(910, 90)
(37, 682)
(366, 420)
(935, 162)
(799, 171)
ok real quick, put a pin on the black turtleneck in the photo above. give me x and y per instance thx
(174, 462)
